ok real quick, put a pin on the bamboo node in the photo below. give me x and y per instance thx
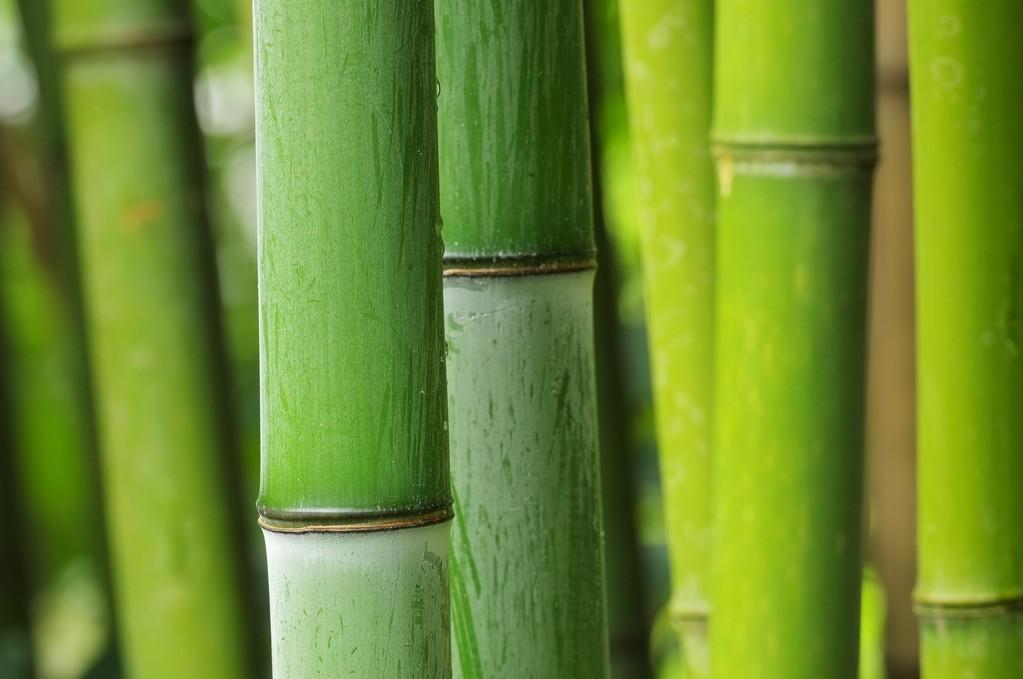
(783, 157)
(690, 616)
(175, 35)
(936, 611)
(347, 522)
(516, 265)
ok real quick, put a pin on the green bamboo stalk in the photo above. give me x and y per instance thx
(527, 567)
(794, 128)
(628, 628)
(627, 624)
(354, 497)
(74, 526)
(967, 137)
(668, 55)
(150, 291)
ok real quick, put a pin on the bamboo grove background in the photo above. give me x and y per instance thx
(104, 103)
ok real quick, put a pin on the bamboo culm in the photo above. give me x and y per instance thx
(85, 519)
(627, 622)
(967, 116)
(794, 136)
(354, 494)
(668, 57)
(156, 357)
(527, 565)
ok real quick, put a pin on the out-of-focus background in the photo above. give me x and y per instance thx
(52, 505)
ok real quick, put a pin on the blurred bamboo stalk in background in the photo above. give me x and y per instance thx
(668, 55)
(794, 132)
(75, 528)
(527, 565)
(627, 625)
(965, 60)
(153, 323)
(628, 629)
(354, 495)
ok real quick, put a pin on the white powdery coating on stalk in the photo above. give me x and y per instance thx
(359, 604)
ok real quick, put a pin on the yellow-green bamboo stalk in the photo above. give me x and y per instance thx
(967, 110)
(794, 130)
(668, 50)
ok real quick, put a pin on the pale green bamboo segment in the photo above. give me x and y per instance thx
(967, 137)
(527, 570)
(152, 319)
(795, 134)
(668, 58)
(333, 598)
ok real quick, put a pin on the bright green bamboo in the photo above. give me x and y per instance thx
(794, 129)
(668, 55)
(354, 493)
(150, 292)
(965, 60)
(527, 567)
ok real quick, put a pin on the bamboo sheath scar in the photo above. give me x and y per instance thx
(156, 355)
(527, 564)
(354, 493)
(794, 138)
(967, 139)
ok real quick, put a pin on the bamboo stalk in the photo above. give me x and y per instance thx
(668, 50)
(794, 130)
(628, 628)
(354, 497)
(150, 291)
(83, 516)
(627, 624)
(968, 134)
(527, 567)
